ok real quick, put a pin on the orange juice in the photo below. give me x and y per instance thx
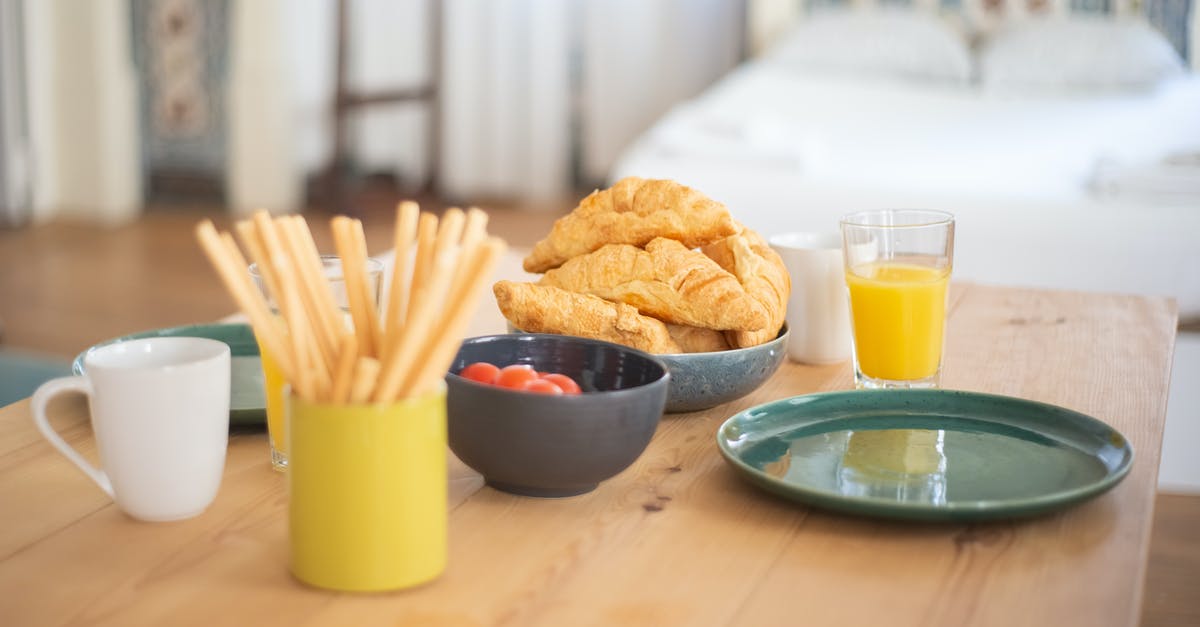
(273, 384)
(273, 390)
(899, 313)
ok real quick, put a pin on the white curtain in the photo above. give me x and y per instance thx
(262, 165)
(83, 112)
(643, 56)
(14, 138)
(533, 87)
(506, 98)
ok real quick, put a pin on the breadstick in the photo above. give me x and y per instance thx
(473, 234)
(313, 257)
(406, 229)
(444, 306)
(426, 232)
(440, 353)
(352, 273)
(307, 374)
(248, 233)
(272, 245)
(424, 314)
(253, 240)
(322, 377)
(475, 230)
(449, 231)
(445, 254)
(370, 289)
(231, 268)
(445, 245)
(343, 376)
(325, 323)
(280, 265)
(366, 372)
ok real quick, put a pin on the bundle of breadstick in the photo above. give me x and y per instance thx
(654, 265)
(440, 270)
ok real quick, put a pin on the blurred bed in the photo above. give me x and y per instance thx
(1068, 146)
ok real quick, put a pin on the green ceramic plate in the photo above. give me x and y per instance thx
(246, 400)
(925, 454)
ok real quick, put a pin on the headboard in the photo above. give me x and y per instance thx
(1178, 20)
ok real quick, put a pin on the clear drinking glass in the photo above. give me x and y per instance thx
(273, 381)
(898, 264)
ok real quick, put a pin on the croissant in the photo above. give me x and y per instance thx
(667, 281)
(633, 211)
(764, 277)
(698, 339)
(546, 309)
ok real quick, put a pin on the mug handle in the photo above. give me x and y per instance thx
(41, 398)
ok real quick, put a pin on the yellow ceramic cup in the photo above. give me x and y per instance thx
(367, 493)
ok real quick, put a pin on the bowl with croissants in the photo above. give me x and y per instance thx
(660, 267)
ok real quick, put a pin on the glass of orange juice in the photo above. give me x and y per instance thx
(273, 381)
(898, 264)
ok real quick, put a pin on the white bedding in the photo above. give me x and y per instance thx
(1038, 184)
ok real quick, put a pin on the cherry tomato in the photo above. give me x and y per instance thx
(480, 371)
(541, 386)
(515, 376)
(567, 384)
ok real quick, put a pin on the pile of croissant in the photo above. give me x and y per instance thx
(653, 265)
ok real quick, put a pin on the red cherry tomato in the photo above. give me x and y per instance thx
(541, 386)
(515, 376)
(565, 383)
(480, 371)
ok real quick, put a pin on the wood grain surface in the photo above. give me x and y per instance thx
(676, 539)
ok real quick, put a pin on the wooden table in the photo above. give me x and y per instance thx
(675, 539)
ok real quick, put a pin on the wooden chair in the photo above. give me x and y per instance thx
(336, 180)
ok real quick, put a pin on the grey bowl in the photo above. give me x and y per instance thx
(540, 445)
(704, 380)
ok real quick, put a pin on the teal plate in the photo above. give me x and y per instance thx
(247, 404)
(935, 455)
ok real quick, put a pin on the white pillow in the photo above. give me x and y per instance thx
(896, 43)
(1078, 54)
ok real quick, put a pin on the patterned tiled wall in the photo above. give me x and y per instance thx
(181, 50)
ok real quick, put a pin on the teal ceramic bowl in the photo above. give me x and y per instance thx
(703, 380)
(247, 404)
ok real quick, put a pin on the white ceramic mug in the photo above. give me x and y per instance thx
(160, 414)
(818, 316)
